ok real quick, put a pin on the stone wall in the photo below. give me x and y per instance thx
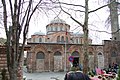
(112, 52)
(50, 59)
(3, 63)
(3, 60)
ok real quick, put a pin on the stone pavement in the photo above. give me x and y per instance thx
(44, 76)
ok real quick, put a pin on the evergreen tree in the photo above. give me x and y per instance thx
(118, 77)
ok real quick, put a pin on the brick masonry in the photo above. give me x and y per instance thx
(3, 63)
(110, 51)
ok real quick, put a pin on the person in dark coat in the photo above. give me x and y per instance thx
(76, 75)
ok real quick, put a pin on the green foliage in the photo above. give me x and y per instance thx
(2, 41)
(118, 78)
(72, 69)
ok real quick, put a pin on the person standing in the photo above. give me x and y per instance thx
(76, 75)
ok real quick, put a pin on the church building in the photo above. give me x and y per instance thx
(51, 51)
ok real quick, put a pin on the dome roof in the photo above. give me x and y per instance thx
(57, 20)
(78, 34)
(38, 33)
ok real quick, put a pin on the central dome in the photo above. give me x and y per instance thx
(38, 33)
(57, 20)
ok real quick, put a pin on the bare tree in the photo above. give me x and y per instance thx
(18, 13)
(85, 11)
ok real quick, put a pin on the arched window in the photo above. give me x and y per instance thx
(76, 40)
(51, 28)
(56, 29)
(58, 39)
(40, 39)
(61, 28)
(62, 39)
(113, 54)
(40, 55)
(57, 53)
(99, 54)
(100, 58)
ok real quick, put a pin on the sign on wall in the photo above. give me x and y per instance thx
(71, 58)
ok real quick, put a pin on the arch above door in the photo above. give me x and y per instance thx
(40, 63)
(75, 54)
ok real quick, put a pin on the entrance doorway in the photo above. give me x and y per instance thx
(76, 62)
(40, 58)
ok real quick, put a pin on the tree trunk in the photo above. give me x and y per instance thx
(13, 74)
(19, 23)
(85, 45)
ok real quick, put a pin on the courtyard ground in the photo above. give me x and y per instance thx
(44, 76)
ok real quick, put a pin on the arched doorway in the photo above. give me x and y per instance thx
(113, 57)
(100, 60)
(57, 61)
(40, 57)
(75, 54)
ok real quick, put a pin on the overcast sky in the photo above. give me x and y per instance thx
(96, 20)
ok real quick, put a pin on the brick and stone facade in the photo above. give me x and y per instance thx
(3, 60)
(3, 63)
(50, 52)
(54, 58)
(111, 52)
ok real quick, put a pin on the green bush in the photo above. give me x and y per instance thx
(72, 69)
(118, 77)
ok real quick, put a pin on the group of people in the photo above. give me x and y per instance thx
(113, 68)
(77, 74)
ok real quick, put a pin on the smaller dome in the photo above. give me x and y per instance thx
(78, 34)
(38, 33)
(57, 20)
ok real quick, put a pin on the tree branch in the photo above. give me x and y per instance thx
(7, 34)
(5, 17)
(76, 21)
(74, 9)
(27, 25)
(105, 31)
(72, 4)
(67, 4)
(71, 16)
(11, 8)
(100, 7)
